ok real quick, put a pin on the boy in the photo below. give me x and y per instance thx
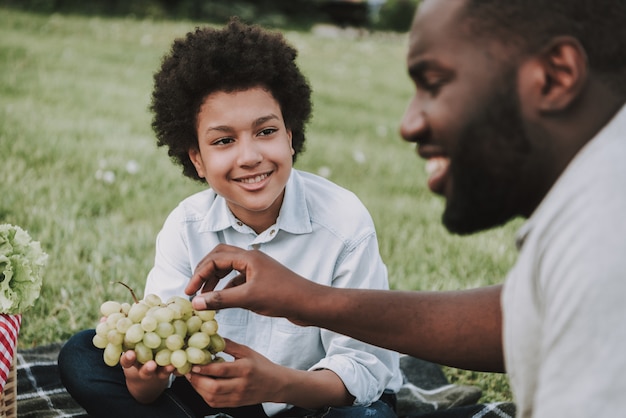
(231, 105)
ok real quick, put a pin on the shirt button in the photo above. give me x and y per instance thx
(256, 246)
(272, 232)
(239, 223)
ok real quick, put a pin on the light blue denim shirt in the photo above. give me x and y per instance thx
(323, 233)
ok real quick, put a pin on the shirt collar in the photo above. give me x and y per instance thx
(293, 217)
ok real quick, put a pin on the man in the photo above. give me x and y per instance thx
(519, 109)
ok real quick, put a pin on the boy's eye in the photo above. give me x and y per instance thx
(267, 131)
(223, 141)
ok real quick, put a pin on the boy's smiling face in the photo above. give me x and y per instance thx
(245, 153)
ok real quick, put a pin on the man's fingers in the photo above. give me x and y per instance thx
(236, 281)
(214, 267)
(206, 276)
(219, 299)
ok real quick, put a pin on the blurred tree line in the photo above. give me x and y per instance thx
(394, 15)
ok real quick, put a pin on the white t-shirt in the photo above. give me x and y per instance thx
(323, 233)
(564, 302)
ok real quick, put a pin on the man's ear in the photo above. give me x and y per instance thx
(556, 76)
(196, 159)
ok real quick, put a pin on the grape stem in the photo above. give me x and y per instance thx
(132, 292)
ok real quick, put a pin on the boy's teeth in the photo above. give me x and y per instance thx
(254, 179)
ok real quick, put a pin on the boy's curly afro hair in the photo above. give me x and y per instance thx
(235, 58)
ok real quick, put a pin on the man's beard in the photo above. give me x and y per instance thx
(487, 167)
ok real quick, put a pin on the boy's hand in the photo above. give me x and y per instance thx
(146, 381)
(250, 379)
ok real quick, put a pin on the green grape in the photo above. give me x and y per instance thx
(125, 308)
(165, 329)
(138, 311)
(217, 344)
(152, 310)
(164, 314)
(174, 342)
(172, 333)
(143, 353)
(100, 341)
(217, 359)
(160, 347)
(151, 339)
(178, 300)
(153, 300)
(102, 329)
(134, 333)
(112, 354)
(193, 325)
(180, 328)
(163, 357)
(178, 358)
(205, 315)
(113, 318)
(177, 310)
(127, 345)
(184, 369)
(199, 340)
(209, 327)
(109, 307)
(197, 355)
(115, 337)
(149, 323)
(184, 303)
(123, 324)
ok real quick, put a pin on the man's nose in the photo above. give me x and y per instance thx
(413, 125)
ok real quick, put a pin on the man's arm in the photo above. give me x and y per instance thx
(458, 328)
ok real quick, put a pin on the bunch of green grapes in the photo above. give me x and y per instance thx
(168, 333)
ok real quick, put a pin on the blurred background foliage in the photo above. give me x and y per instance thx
(377, 15)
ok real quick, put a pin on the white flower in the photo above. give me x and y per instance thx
(21, 265)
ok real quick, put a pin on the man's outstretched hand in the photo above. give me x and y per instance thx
(263, 285)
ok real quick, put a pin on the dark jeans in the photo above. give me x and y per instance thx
(102, 391)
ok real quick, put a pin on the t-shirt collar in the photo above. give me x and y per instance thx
(614, 129)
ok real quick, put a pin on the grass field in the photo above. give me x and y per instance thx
(80, 170)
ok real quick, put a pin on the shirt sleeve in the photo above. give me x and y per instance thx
(365, 370)
(171, 271)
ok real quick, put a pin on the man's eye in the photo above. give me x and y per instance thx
(430, 84)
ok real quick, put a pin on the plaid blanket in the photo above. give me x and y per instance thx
(426, 391)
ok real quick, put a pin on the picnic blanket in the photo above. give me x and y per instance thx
(426, 391)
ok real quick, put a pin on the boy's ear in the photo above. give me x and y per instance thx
(290, 134)
(196, 159)
(556, 76)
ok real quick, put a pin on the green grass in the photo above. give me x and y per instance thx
(74, 94)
